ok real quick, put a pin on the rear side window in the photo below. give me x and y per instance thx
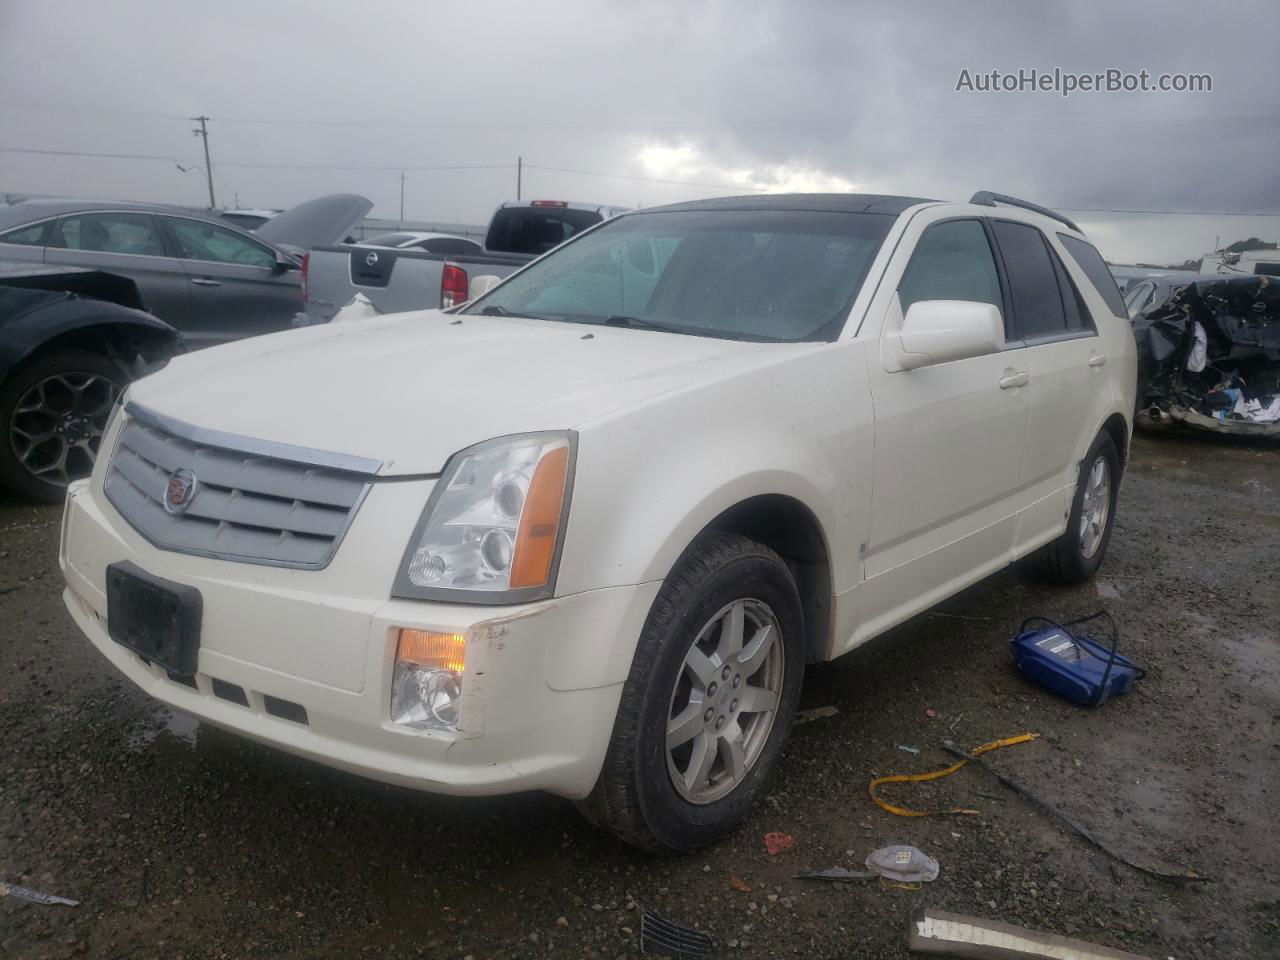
(536, 229)
(1095, 268)
(1033, 283)
(131, 233)
(32, 236)
(952, 261)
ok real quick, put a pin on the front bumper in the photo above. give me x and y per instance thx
(530, 716)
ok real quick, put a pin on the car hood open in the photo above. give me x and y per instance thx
(316, 223)
(409, 390)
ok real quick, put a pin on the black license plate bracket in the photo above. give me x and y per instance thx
(157, 619)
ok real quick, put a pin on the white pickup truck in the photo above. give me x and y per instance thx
(396, 280)
(585, 534)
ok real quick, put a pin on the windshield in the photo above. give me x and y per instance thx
(778, 275)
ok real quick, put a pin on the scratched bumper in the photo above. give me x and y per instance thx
(520, 726)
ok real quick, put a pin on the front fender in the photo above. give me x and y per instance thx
(23, 333)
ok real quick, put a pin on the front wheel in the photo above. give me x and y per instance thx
(1076, 555)
(54, 410)
(709, 701)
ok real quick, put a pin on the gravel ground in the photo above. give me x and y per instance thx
(182, 841)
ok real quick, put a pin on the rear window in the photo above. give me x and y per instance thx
(1095, 268)
(536, 229)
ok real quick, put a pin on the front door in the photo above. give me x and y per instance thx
(949, 440)
(237, 287)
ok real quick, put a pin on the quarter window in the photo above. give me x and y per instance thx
(198, 240)
(1033, 284)
(32, 236)
(952, 261)
(131, 233)
(1095, 268)
(1139, 298)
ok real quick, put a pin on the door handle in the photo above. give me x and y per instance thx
(205, 282)
(1014, 379)
(1097, 359)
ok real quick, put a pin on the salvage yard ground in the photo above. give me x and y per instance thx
(183, 841)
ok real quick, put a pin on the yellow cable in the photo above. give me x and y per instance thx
(936, 774)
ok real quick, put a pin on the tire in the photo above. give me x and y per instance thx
(1076, 555)
(53, 411)
(654, 798)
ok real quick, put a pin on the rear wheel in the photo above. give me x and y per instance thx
(709, 700)
(1076, 555)
(53, 411)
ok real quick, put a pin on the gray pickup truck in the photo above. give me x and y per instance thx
(396, 280)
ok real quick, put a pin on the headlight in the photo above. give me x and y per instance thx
(492, 529)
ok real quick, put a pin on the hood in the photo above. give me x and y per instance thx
(411, 389)
(316, 223)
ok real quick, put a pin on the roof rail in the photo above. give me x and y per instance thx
(985, 198)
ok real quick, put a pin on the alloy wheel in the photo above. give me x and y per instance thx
(1095, 507)
(725, 700)
(57, 425)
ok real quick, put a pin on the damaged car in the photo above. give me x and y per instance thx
(1209, 356)
(71, 340)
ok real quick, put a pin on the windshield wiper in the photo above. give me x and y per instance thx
(639, 323)
(496, 311)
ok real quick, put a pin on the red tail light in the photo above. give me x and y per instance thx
(453, 286)
(548, 203)
(306, 259)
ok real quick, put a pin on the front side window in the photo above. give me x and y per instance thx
(130, 233)
(778, 275)
(1033, 283)
(952, 261)
(29, 236)
(198, 240)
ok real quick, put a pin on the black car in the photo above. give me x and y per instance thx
(70, 340)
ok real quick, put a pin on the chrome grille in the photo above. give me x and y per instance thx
(246, 506)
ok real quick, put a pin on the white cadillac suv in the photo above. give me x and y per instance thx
(584, 533)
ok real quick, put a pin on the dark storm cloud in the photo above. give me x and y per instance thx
(804, 94)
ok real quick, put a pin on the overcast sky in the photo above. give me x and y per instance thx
(311, 97)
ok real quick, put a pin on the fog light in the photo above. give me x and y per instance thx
(427, 680)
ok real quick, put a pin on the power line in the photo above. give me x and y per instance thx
(86, 153)
(574, 172)
(1140, 117)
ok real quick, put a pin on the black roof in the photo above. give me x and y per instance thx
(822, 202)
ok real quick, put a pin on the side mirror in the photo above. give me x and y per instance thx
(483, 284)
(938, 331)
(284, 264)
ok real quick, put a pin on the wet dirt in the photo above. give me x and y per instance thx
(184, 841)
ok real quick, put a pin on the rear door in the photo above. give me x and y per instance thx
(237, 287)
(1067, 386)
(131, 244)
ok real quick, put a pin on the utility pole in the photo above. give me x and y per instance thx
(519, 174)
(401, 199)
(203, 133)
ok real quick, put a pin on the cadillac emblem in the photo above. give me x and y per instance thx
(180, 490)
